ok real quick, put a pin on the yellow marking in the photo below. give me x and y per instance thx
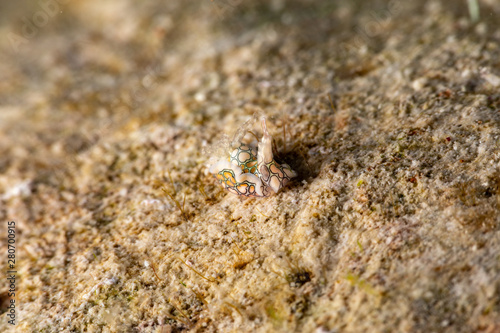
(229, 176)
(274, 169)
(243, 188)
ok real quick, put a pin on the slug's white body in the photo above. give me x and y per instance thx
(249, 172)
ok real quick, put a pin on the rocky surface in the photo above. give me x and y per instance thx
(389, 112)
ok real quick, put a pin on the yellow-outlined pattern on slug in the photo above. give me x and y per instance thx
(252, 173)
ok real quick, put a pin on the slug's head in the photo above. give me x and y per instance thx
(273, 174)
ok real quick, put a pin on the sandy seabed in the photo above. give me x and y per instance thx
(389, 112)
